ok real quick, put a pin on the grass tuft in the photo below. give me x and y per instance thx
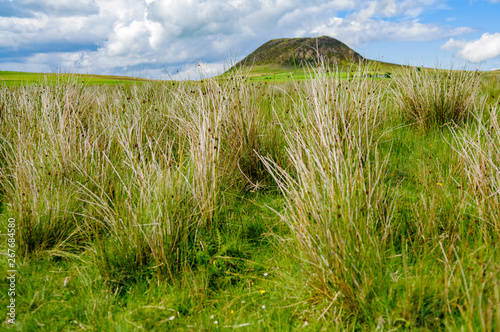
(434, 97)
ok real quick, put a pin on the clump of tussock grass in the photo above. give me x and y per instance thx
(147, 210)
(337, 208)
(479, 151)
(227, 126)
(133, 172)
(251, 129)
(434, 97)
(83, 166)
(200, 119)
(148, 223)
(40, 133)
(169, 180)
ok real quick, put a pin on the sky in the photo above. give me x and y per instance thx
(189, 39)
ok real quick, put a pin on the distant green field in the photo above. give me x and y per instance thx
(283, 74)
(260, 73)
(22, 78)
(267, 73)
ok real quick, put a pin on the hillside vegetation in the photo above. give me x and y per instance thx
(338, 202)
(299, 52)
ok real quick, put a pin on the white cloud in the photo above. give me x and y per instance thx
(135, 38)
(110, 35)
(356, 33)
(453, 44)
(479, 50)
(51, 24)
(374, 22)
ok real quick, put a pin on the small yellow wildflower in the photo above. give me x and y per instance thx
(439, 184)
(232, 311)
(262, 291)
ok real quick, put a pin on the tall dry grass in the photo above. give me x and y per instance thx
(148, 210)
(137, 178)
(479, 151)
(41, 134)
(228, 123)
(133, 174)
(99, 168)
(337, 207)
(434, 97)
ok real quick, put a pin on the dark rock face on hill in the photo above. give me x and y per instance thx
(300, 51)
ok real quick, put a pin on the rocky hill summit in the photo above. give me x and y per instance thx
(297, 52)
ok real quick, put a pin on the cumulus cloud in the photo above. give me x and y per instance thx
(356, 32)
(479, 50)
(112, 35)
(453, 44)
(386, 20)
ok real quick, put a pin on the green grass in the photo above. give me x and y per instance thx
(12, 78)
(250, 203)
(275, 73)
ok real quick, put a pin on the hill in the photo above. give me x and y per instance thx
(286, 58)
(297, 52)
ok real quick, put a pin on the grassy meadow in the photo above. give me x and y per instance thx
(13, 78)
(338, 202)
